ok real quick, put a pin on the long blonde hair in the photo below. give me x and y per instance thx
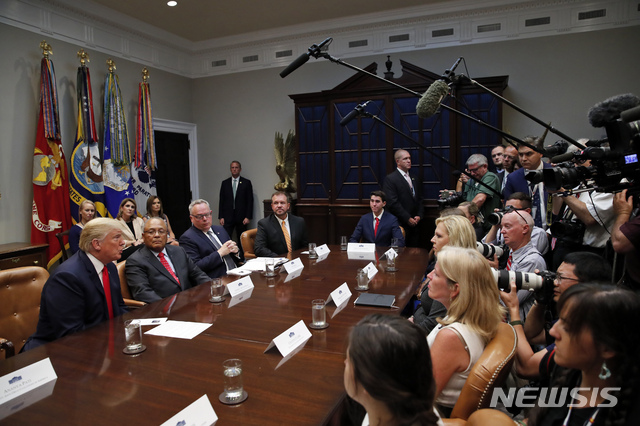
(460, 231)
(478, 302)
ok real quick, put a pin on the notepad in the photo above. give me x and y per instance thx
(379, 300)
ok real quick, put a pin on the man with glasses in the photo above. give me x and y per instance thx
(159, 270)
(209, 246)
(486, 199)
(510, 163)
(577, 268)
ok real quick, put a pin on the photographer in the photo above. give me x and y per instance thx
(485, 199)
(585, 220)
(625, 238)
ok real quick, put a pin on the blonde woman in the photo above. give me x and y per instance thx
(87, 212)
(463, 282)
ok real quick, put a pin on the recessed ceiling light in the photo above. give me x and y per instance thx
(172, 3)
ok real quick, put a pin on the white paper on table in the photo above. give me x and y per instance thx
(198, 413)
(371, 269)
(391, 254)
(289, 340)
(361, 248)
(151, 321)
(239, 272)
(340, 295)
(239, 286)
(179, 329)
(294, 265)
(240, 297)
(322, 250)
(257, 264)
(26, 379)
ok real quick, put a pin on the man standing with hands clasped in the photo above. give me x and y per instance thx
(236, 203)
(405, 197)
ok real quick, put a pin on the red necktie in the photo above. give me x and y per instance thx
(509, 262)
(375, 231)
(107, 290)
(164, 262)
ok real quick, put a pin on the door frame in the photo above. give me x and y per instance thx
(191, 130)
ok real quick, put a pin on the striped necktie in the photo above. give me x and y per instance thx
(229, 263)
(168, 267)
(287, 238)
(509, 262)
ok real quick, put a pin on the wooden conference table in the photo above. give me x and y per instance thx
(98, 384)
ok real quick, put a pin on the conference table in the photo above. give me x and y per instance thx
(98, 384)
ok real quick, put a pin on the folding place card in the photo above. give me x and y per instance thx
(340, 295)
(199, 413)
(361, 256)
(240, 297)
(238, 286)
(239, 272)
(288, 341)
(340, 308)
(294, 265)
(151, 321)
(321, 258)
(293, 275)
(371, 269)
(322, 250)
(391, 254)
(361, 248)
(28, 378)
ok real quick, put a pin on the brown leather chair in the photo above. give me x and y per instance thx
(20, 292)
(124, 288)
(247, 240)
(60, 236)
(488, 373)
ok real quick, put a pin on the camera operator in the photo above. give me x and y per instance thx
(579, 267)
(584, 222)
(625, 238)
(519, 201)
(485, 199)
(524, 257)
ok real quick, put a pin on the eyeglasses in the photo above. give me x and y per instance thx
(511, 209)
(561, 277)
(202, 216)
(155, 231)
(475, 169)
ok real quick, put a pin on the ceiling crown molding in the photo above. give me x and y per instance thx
(454, 23)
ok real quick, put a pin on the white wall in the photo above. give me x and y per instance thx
(171, 97)
(556, 79)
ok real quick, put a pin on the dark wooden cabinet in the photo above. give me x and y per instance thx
(339, 166)
(14, 255)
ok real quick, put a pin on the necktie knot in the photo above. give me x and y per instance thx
(168, 267)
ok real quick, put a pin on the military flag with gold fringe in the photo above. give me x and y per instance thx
(50, 209)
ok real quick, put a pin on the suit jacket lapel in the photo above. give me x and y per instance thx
(93, 275)
(153, 260)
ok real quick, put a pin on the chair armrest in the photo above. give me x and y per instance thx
(133, 303)
(454, 422)
(7, 347)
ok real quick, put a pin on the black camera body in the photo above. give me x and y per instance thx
(449, 199)
(569, 232)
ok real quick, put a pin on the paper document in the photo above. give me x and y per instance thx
(179, 329)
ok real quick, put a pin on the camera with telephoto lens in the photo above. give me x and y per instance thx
(489, 250)
(449, 199)
(496, 217)
(541, 284)
(568, 231)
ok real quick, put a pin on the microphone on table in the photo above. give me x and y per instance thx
(314, 51)
(357, 111)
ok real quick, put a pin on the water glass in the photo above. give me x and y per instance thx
(269, 267)
(343, 243)
(232, 370)
(133, 336)
(395, 243)
(312, 251)
(318, 313)
(217, 290)
(363, 280)
(391, 264)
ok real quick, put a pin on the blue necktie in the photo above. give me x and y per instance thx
(536, 206)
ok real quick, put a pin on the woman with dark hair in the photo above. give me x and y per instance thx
(154, 209)
(388, 371)
(86, 211)
(132, 227)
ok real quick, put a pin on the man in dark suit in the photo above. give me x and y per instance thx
(236, 203)
(159, 270)
(405, 197)
(378, 226)
(84, 290)
(531, 161)
(208, 246)
(271, 240)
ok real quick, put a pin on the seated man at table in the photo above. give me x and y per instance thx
(379, 226)
(209, 246)
(159, 270)
(84, 290)
(280, 232)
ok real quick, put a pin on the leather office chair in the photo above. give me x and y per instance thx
(20, 292)
(488, 373)
(124, 288)
(403, 234)
(60, 236)
(247, 240)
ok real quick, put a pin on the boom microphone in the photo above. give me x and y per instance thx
(314, 51)
(609, 110)
(353, 114)
(430, 101)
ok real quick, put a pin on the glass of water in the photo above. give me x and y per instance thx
(233, 390)
(318, 314)
(312, 251)
(343, 243)
(133, 337)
